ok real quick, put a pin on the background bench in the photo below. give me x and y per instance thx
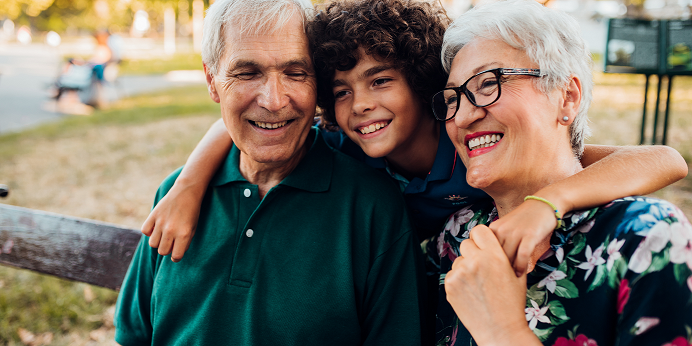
(78, 249)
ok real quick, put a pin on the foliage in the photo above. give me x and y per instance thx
(61, 15)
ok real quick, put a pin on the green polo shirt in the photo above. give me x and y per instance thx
(328, 257)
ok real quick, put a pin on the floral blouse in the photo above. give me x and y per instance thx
(620, 274)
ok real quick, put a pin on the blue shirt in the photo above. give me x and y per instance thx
(431, 200)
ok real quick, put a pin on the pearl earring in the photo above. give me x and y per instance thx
(565, 118)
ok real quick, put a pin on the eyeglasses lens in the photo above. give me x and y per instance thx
(481, 91)
(445, 104)
(483, 88)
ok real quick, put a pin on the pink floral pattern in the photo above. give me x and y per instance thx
(679, 341)
(623, 294)
(580, 340)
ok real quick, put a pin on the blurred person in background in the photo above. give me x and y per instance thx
(78, 75)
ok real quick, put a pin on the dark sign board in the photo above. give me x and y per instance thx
(632, 46)
(649, 47)
(679, 47)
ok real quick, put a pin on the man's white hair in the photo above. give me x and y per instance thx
(549, 37)
(248, 17)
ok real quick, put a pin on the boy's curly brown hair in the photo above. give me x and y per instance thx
(406, 33)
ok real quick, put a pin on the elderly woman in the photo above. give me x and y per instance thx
(516, 109)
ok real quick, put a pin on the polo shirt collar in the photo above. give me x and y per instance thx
(313, 173)
(375, 162)
(445, 158)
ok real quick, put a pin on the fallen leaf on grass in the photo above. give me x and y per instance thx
(108, 317)
(88, 294)
(29, 338)
(43, 339)
(98, 334)
(26, 336)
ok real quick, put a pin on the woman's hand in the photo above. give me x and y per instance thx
(524, 234)
(486, 294)
(173, 222)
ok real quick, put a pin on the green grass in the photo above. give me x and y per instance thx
(181, 61)
(184, 101)
(40, 303)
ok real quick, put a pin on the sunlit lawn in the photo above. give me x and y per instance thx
(106, 167)
(616, 115)
(180, 61)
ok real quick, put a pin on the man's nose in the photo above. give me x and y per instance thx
(273, 95)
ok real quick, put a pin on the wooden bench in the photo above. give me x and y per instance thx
(78, 249)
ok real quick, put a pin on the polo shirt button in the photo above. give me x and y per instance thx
(249, 233)
(247, 193)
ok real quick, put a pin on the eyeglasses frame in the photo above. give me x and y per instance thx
(498, 72)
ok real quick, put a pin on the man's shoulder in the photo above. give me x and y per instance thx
(352, 172)
(339, 141)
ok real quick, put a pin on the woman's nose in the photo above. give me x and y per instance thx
(467, 114)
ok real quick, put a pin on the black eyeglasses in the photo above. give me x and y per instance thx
(482, 90)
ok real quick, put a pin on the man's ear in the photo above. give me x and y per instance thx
(571, 100)
(211, 87)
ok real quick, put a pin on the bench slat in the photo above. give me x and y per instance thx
(68, 247)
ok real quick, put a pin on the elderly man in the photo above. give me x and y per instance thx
(297, 244)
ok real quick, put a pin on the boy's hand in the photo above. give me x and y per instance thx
(525, 233)
(173, 222)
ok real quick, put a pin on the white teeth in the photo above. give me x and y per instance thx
(270, 125)
(372, 128)
(484, 141)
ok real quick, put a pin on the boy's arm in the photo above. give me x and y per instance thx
(610, 173)
(173, 221)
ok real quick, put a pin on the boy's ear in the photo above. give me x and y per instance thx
(211, 87)
(571, 100)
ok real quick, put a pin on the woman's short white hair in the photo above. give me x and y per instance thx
(249, 17)
(549, 37)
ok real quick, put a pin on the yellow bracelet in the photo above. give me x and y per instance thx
(557, 213)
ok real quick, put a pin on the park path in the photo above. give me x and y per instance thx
(27, 70)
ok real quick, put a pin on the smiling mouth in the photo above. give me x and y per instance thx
(374, 127)
(270, 126)
(484, 141)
